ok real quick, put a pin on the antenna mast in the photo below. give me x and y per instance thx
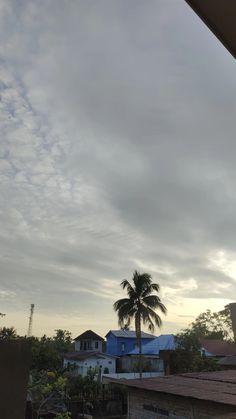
(29, 333)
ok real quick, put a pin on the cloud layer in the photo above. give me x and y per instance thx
(117, 153)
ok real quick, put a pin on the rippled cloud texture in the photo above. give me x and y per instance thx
(117, 152)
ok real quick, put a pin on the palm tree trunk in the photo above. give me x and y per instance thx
(139, 340)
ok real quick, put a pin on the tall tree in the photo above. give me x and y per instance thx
(208, 325)
(8, 333)
(140, 306)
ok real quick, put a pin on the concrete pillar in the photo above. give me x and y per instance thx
(14, 374)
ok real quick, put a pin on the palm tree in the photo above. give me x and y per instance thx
(140, 306)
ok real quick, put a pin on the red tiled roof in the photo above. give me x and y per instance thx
(219, 386)
(218, 347)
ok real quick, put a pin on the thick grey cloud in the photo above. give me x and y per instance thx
(117, 152)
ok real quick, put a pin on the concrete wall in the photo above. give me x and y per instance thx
(144, 404)
(107, 378)
(15, 360)
(93, 362)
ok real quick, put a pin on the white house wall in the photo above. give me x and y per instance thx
(95, 345)
(91, 363)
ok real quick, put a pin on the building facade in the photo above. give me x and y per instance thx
(89, 341)
(81, 363)
(184, 396)
(121, 342)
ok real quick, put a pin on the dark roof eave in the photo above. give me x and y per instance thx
(219, 31)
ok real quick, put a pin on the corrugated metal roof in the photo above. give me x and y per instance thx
(129, 334)
(228, 360)
(81, 355)
(162, 342)
(219, 386)
(217, 347)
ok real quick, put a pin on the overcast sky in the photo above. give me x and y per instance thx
(117, 152)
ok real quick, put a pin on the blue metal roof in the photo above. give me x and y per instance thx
(162, 342)
(130, 334)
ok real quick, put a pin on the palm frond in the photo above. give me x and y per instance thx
(125, 310)
(154, 302)
(147, 320)
(155, 317)
(141, 282)
(120, 303)
(130, 290)
(151, 288)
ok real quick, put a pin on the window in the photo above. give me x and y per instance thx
(109, 362)
(122, 346)
(96, 345)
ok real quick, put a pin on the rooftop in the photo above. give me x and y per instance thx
(228, 361)
(219, 386)
(80, 356)
(219, 16)
(162, 342)
(129, 334)
(89, 335)
(217, 347)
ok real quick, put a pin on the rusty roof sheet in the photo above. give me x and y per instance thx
(218, 347)
(219, 386)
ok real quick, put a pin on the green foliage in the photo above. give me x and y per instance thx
(182, 361)
(63, 341)
(8, 333)
(87, 385)
(66, 415)
(43, 383)
(58, 384)
(208, 325)
(47, 353)
(216, 325)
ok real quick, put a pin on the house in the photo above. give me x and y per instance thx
(88, 355)
(83, 361)
(89, 341)
(227, 362)
(121, 342)
(153, 347)
(217, 348)
(194, 395)
(152, 360)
